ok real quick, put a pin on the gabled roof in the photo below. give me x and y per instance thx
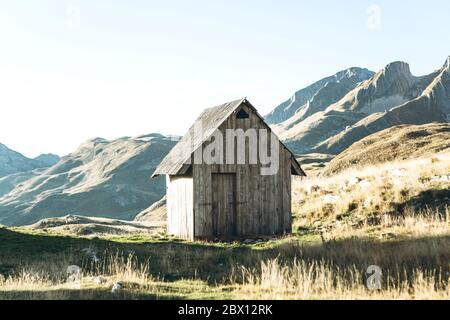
(177, 162)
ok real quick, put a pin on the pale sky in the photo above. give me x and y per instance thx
(75, 70)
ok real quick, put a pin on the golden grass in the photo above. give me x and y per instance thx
(303, 280)
(395, 216)
(272, 279)
(368, 194)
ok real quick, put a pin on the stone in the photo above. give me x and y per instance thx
(118, 286)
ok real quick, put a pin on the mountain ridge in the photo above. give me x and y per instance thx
(101, 178)
(392, 96)
(347, 78)
(12, 162)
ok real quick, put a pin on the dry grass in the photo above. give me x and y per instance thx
(367, 195)
(272, 279)
(400, 142)
(395, 216)
(303, 280)
(414, 266)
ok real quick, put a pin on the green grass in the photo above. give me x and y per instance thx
(176, 269)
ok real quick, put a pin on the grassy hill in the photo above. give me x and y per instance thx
(393, 215)
(397, 143)
(373, 194)
(34, 266)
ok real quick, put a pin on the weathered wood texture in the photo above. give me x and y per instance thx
(263, 203)
(180, 209)
(223, 204)
(210, 119)
(227, 200)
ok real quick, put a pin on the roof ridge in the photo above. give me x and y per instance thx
(182, 151)
(176, 161)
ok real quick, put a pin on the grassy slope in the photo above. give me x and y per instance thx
(393, 215)
(397, 143)
(33, 266)
(361, 196)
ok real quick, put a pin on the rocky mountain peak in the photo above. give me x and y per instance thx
(359, 73)
(396, 68)
(447, 63)
(47, 159)
(395, 78)
(348, 79)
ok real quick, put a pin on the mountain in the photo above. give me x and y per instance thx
(9, 182)
(431, 105)
(100, 179)
(13, 162)
(397, 143)
(157, 212)
(392, 96)
(318, 95)
(48, 159)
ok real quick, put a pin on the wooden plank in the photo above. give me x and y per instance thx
(223, 205)
(262, 203)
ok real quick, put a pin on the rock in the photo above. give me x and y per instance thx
(248, 241)
(352, 181)
(387, 235)
(331, 199)
(73, 274)
(118, 286)
(398, 172)
(100, 280)
(91, 253)
(443, 178)
(313, 188)
(364, 184)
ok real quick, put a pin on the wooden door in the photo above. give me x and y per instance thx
(224, 205)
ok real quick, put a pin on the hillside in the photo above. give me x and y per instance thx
(100, 179)
(156, 213)
(9, 182)
(431, 106)
(378, 215)
(393, 96)
(373, 215)
(96, 227)
(393, 144)
(48, 159)
(12, 162)
(318, 96)
(374, 195)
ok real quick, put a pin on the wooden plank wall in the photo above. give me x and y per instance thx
(224, 204)
(263, 205)
(180, 215)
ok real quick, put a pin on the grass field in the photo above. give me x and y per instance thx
(34, 266)
(394, 216)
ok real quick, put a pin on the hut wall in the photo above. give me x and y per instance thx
(180, 215)
(262, 203)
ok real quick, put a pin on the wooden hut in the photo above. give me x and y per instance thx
(227, 200)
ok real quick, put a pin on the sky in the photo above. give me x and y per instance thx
(76, 70)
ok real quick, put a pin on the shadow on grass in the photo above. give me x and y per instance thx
(81, 294)
(175, 260)
(436, 200)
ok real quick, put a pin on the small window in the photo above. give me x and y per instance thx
(242, 114)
